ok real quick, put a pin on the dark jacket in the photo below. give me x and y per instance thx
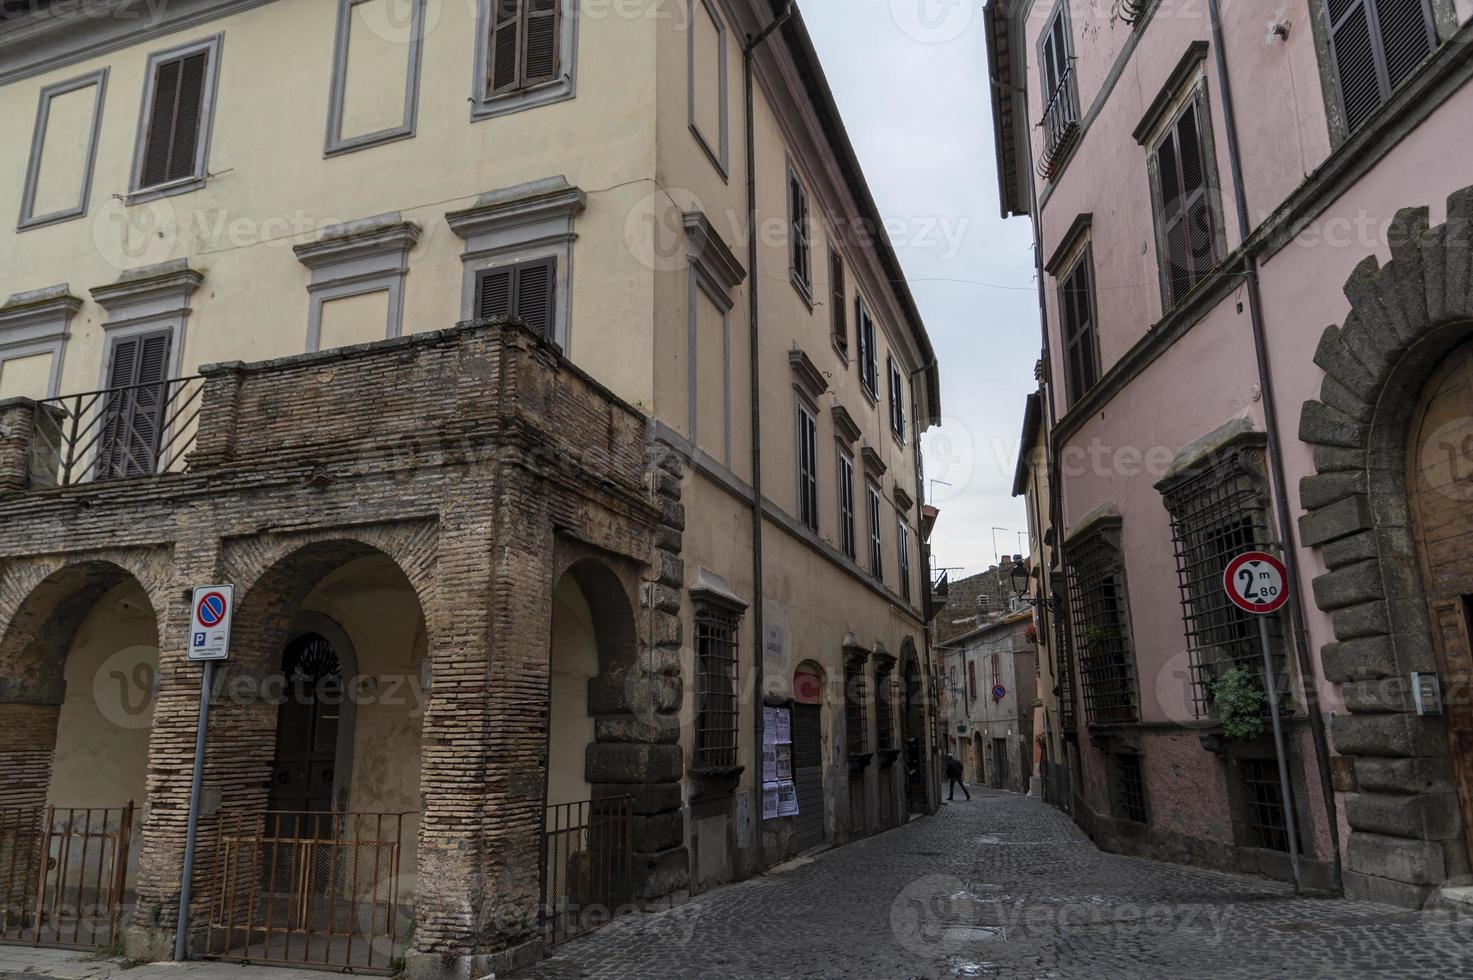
(953, 768)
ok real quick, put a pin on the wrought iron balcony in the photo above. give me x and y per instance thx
(1060, 124)
(115, 433)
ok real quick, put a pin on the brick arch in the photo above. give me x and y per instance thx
(44, 602)
(1405, 317)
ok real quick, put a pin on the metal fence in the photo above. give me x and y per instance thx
(115, 433)
(588, 866)
(1060, 123)
(309, 888)
(63, 873)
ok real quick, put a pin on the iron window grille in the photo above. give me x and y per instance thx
(1068, 719)
(1130, 787)
(1219, 510)
(1185, 184)
(902, 544)
(855, 697)
(1081, 337)
(807, 467)
(1102, 629)
(1264, 804)
(876, 559)
(885, 739)
(1374, 47)
(846, 504)
(716, 687)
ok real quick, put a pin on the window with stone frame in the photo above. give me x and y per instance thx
(876, 557)
(1081, 333)
(1187, 199)
(856, 699)
(1219, 509)
(885, 695)
(1064, 682)
(716, 628)
(1099, 612)
(1372, 47)
(846, 503)
(902, 546)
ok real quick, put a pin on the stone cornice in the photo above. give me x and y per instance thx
(845, 427)
(167, 279)
(548, 199)
(903, 500)
(873, 463)
(379, 235)
(710, 254)
(806, 374)
(40, 314)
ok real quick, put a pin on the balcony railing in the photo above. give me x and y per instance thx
(115, 433)
(1060, 124)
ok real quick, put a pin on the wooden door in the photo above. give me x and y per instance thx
(1440, 487)
(305, 765)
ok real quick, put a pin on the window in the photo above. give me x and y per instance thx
(846, 504)
(357, 287)
(1129, 790)
(897, 398)
(1218, 511)
(807, 467)
(972, 680)
(800, 259)
(885, 694)
(1101, 626)
(174, 130)
(1185, 191)
(525, 55)
(716, 687)
(706, 84)
(526, 290)
(137, 372)
(1374, 46)
(868, 360)
(876, 562)
(838, 308)
(1263, 802)
(1076, 313)
(855, 697)
(902, 544)
(1060, 123)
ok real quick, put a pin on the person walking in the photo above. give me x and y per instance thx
(954, 773)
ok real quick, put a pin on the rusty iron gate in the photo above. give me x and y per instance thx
(587, 866)
(63, 872)
(309, 889)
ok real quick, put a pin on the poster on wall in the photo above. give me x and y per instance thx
(787, 799)
(769, 801)
(784, 764)
(769, 763)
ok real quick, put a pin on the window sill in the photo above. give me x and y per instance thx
(54, 218)
(841, 350)
(872, 397)
(888, 757)
(709, 781)
(860, 760)
(898, 437)
(340, 147)
(143, 195)
(533, 97)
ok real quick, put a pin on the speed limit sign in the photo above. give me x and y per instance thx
(1256, 582)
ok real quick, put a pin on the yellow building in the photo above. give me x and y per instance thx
(218, 203)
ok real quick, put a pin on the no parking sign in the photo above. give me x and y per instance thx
(209, 628)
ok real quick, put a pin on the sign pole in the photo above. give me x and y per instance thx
(181, 938)
(1291, 828)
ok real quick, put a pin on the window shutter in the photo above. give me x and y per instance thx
(836, 301)
(506, 31)
(1407, 36)
(125, 363)
(1376, 45)
(534, 295)
(542, 36)
(493, 293)
(133, 415)
(172, 141)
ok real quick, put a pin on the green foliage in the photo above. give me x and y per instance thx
(1240, 703)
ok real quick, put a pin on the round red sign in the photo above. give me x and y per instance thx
(1256, 582)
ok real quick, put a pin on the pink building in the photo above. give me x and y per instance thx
(1253, 225)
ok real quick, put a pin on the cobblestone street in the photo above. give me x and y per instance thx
(1005, 886)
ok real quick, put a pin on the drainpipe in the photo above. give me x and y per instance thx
(928, 758)
(1275, 460)
(758, 639)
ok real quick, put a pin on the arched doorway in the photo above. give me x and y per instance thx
(914, 722)
(1440, 492)
(321, 867)
(78, 682)
(808, 687)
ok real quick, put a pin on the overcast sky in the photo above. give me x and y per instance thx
(910, 77)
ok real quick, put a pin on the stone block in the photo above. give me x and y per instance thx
(1383, 695)
(654, 833)
(612, 762)
(1427, 774)
(659, 730)
(1325, 489)
(1348, 586)
(1325, 426)
(661, 874)
(1359, 659)
(1384, 891)
(1367, 619)
(1330, 459)
(1342, 399)
(648, 798)
(1338, 520)
(1340, 363)
(1348, 551)
(1412, 862)
(1397, 735)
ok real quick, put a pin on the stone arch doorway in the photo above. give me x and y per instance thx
(78, 685)
(810, 828)
(318, 861)
(914, 726)
(1439, 460)
(1407, 833)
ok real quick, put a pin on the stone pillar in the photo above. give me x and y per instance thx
(219, 415)
(17, 423)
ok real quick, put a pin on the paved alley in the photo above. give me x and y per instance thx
(1005, 886)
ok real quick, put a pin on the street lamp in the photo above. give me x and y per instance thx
(1022, 579)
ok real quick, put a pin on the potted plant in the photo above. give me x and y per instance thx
(1240, 702)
